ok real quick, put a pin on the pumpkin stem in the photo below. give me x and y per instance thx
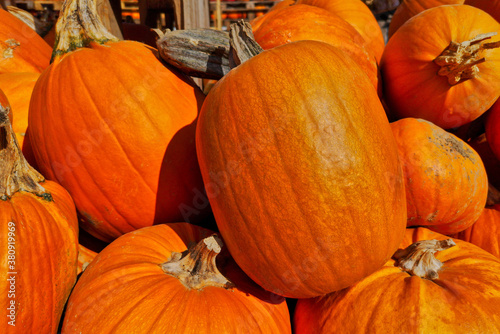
(78, 26)
(418, 258)
(196, 268)
(15, 172)
(459, 61)
(242, 43)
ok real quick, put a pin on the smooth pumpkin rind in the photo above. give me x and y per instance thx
(465, 297)
(130, 292)
(131, 161)
(21, 48)
(412, 86)
(284, 167)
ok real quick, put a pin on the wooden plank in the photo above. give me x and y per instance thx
(108, 17)
(195, 14)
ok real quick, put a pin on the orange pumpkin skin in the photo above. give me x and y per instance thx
(485, 232)
(412, 85)
(256, 22)
(44, 243)
(446, 182)
(125, 288)
(493, 129)
(392, 301)
(303, 22)
(18, 88)
(286, 167)
(360, 17)
(21, 48)
(131, 161)
(409, 8)
(491, 7)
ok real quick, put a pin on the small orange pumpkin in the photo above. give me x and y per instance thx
(21, 48)
(485, 232)
(38, 238)
(169, 279)
(409, 8)
(456, 291)
(358, 14)
(446, 182)
(443, 66)
(304, 22)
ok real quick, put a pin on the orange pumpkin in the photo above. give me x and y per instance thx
(21, 49)
(278, 5)
(409, 8)
(360, 17)
(485, 232)
(88, 248)
(303, 22)
(493, 129)
(459, 296)
(491, 7)
(18, 88)
(152, 281)
(117, 134)
(285, 143)
(446, 183)
(433, 66)
(38, 238)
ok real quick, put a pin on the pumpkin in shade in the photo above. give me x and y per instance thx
(38, 238)
(117, 134)
(446, 183)
(443, 65)
(303, 22)
(409, 8)
(491, 7)
(433, 285)
(18, 87)
(286, 144)
(493, 129)
(360, 17)
(485, 232)
(21, 48)
(491, 163)
(169, 279)
(88, 248)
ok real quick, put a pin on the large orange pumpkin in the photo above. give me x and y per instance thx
(116, 128)
(21, 49)
(409, 8)
(493, 129)
(286, 143)
(461, 296)
(18, 87)
(446, 182)
(438, 66)
(256, 22)
(491, 7)
(153, 281)
(485, 232)
(359, 16)
(304, 22)
(38, 238)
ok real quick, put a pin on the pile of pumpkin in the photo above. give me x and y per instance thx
(350, 179)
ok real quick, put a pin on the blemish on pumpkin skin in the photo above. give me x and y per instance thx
(432, 216)
(452, 145)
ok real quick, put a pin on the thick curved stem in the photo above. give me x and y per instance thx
(196, 268)
(78, 26)
(458, 62)
(418, 258)
(15, 172)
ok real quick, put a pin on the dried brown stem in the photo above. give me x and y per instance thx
(418, 258)
(242, 42)
(78, 26)
(458, 62)
(15, 172)
(196, 268)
